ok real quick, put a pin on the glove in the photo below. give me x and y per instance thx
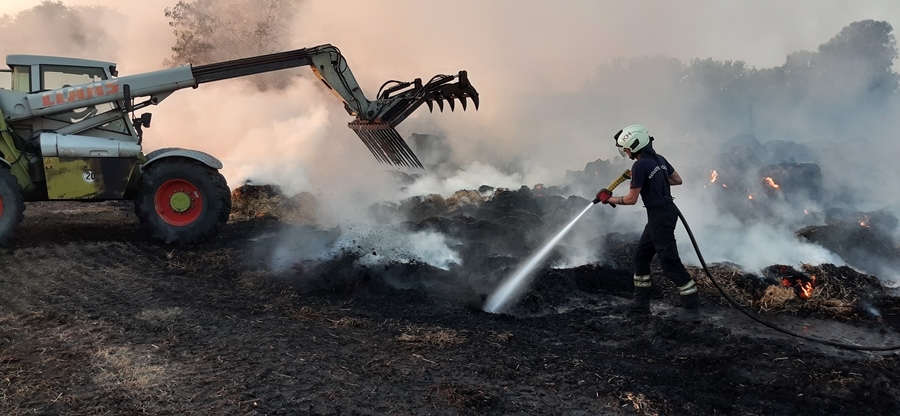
(603, 196)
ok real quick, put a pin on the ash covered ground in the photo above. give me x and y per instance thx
(281, 315)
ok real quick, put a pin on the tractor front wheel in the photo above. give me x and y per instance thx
(12, 206)
(182, 201)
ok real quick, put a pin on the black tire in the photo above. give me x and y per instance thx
(209, 204)
(12, 206)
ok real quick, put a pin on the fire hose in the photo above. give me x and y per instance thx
(757, 318)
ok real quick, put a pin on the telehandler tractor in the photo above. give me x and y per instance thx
(68, 131)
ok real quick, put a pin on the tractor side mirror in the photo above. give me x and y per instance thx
(145, 119)
(126, 89)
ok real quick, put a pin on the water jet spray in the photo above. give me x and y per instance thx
(515, 284)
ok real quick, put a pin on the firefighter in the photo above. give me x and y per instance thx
(651, 178)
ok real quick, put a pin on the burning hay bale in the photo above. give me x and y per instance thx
(262, 201)
(825, 290)
(792, 180)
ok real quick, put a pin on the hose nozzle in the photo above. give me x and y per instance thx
(622, 178)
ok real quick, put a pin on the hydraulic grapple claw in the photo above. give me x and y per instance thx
(385, 143)
(396, 101)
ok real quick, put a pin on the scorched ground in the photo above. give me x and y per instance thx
(96, 318)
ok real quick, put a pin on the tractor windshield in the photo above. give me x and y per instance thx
(56, 76)
(63, 76)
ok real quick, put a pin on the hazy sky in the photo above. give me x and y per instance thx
(523, 56)
(760, 32)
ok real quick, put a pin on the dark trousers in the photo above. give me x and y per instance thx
(659, 239)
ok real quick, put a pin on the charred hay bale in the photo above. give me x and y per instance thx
(745, 288)
(793, 180)
(464, 198)
(784, 151)
(859, 245)
(417, 208)
(262, 201)
(735, 167)
(882, 222)
(505, 201)
(595, 175)
(748, 141)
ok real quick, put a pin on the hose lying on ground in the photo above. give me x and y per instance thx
(757, 318)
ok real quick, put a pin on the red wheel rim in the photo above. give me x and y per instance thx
(178, 202)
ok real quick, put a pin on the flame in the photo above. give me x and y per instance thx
(864, 222)
(724, 186)
(750, 197)
(806, 288)
(771, 182)
(806, 211)
(713, 176)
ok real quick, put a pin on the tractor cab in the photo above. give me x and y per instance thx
(34, 73)
(74, 152)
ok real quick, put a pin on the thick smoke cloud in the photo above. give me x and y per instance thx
(556, 81)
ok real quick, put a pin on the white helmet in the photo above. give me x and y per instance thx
(634, 137)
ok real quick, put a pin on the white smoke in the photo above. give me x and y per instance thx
(374, 245)
(555, 85)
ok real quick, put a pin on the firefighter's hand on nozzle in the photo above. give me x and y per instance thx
(603, 196)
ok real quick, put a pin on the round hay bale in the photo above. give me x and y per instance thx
(775, 298)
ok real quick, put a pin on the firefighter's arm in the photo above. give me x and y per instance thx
(675, 179)
(629, 199)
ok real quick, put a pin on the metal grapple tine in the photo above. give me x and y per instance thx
(452, 103)
(372, 144)
(389, 146)
(430, 106)
(475, 100)
(382, 146)
(386, 144)
(462, 101)
(440, 103)
(410, 156)
(407, 153)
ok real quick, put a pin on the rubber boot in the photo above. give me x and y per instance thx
(640, 303)
(690, 308)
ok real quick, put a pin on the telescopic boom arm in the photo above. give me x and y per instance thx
(374, 123)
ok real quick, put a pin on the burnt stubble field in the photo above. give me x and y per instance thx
(96, 318)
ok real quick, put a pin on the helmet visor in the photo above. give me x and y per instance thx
(622, 151)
